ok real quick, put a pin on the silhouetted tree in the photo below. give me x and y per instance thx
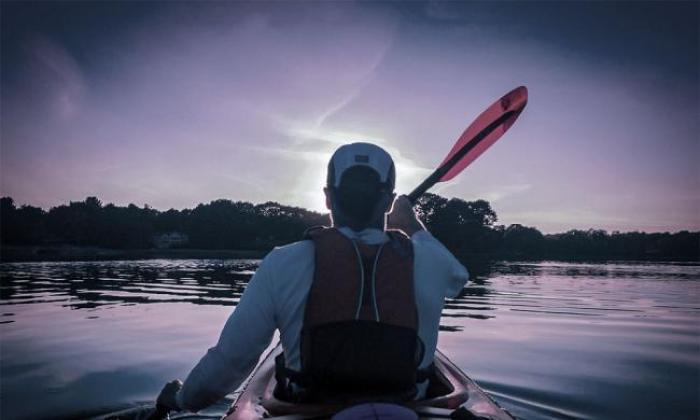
(522, 241)
(21, 226)
(463, 226)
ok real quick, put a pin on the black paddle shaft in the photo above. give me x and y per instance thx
(435, 177)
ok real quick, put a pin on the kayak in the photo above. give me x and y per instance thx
(451, 394)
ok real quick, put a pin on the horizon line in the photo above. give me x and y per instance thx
(146, 205)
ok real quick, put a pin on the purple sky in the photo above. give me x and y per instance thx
(173, 104)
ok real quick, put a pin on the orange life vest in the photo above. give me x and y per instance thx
(359, 340)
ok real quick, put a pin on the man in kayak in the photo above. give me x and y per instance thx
(357, 305)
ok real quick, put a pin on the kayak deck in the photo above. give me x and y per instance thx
(450, 389)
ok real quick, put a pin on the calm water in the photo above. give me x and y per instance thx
(548, 340)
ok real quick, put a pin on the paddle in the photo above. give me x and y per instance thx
(488, 127)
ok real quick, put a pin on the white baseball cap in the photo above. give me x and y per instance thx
(361, 154)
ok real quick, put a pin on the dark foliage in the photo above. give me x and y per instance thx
(465, 227)
(221, 224)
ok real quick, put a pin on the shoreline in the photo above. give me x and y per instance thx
(17, 253)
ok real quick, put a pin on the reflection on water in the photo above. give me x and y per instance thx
(548, 340)
(90, 285)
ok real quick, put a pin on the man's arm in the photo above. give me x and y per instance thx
(245, 336)
(404, 218)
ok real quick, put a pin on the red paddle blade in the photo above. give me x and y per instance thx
(507, 109)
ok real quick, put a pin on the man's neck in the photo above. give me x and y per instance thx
(380, 225)
(370, 236)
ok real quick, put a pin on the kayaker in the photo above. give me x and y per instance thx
(357, 305)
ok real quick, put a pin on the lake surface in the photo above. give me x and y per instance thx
(546, 340)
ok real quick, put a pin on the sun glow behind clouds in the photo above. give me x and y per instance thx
(325, 141)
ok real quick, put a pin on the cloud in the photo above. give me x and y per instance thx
(504, 191)
(53, 77)
(311, 153)
(332, 139)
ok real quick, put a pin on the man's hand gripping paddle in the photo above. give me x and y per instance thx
(479, 136)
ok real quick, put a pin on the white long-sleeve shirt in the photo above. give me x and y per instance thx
(275, 299)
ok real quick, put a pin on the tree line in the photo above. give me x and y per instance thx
(467, 228)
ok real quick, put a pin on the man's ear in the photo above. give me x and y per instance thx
(390, 202)
(327, 192)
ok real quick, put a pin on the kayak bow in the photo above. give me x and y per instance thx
(450, 392)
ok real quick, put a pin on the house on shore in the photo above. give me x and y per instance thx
(170, 240)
